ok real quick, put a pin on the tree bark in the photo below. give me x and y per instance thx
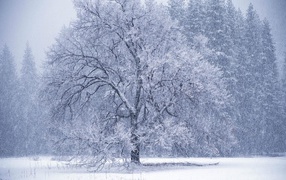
(135, 151)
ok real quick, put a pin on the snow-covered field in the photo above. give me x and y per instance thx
(228, 168)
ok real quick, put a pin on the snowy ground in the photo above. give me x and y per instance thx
(228, 168)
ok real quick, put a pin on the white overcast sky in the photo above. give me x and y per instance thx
(39, 22)
(35, 21)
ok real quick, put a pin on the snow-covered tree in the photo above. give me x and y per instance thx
(243, 48)
(117, 78)
(30, 129)
(271, 104)
(283, 99)
(29, 75)
(282, 96)
(216, 25)
(195, 19)
(177, 10)
(250, 83)
(260, 109)
(8, 98)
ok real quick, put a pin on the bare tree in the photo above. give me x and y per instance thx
(118, 75)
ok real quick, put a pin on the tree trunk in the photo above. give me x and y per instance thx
(135, 151)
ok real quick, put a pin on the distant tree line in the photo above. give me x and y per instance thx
(22, 124)
(243, 48)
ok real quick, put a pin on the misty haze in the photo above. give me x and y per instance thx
(132, 89)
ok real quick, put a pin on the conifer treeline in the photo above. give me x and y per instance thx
(242, 46)
(22, 126)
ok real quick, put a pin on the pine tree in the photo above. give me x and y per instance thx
(8, 99)
(31, 129)
(283, 102)
(231, 19)
(252, 81)
(195, 20)
(177, 10)
(240, 84)
(243, 48)
(29, 75)
(216, 25)
(270, 106)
